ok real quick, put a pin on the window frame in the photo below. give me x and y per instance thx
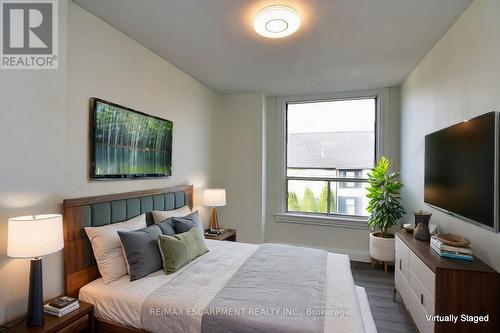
(381, 146)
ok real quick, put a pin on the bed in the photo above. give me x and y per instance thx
(234, 287)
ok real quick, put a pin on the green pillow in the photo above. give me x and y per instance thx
(180, 249)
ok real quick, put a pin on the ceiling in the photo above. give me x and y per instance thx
(342, 45)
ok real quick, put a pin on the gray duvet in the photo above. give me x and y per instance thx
(238, 287)
(274, 291)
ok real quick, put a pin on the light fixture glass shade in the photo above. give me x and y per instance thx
(34, 236)
(276, 21)
(214, 197)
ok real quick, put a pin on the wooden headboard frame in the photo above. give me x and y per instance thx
(79, 264)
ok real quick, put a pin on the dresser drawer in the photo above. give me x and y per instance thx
(402, 262)
(423, 273)
(77, 326)
(401, 285)
(418, 313)
(425, 298)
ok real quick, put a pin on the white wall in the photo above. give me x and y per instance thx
(33, 164)
(457, 80)
(393, 150)
(104, 63)
(44, 132)
(241, 168)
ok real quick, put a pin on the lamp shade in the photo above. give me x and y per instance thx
(214, 197)
(34, 236)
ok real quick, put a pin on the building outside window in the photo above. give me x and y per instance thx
(350, 206)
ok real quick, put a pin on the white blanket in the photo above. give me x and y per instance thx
(121, 301)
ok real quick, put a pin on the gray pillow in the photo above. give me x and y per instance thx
(184, 224)
(141, 251)
(167, 227)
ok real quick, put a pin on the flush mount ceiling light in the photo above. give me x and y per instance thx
(276, 21)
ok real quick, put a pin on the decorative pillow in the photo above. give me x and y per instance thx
(108, 248)
(167, 227)
(177, 251)
(161, 215)
(141, 251)
(184, 224)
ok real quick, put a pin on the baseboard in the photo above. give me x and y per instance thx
(354, 255)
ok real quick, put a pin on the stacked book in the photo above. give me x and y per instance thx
(449, 251)
(61, 306)
(214, 232)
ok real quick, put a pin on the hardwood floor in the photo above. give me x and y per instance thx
(389, 316)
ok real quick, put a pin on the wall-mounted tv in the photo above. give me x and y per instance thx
(461, 170)
(127, 143)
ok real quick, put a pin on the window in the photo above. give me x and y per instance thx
(330, 148)
(350, 206)
(350, 174)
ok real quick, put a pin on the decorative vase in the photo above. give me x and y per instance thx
(421, 231)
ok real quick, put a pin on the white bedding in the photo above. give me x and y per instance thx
(366, 312)
(121, 301)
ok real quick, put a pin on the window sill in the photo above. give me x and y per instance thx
(330, 221)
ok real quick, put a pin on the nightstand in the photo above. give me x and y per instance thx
(227, 235)
(80, 320)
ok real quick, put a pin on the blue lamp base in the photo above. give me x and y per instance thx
(35, 315)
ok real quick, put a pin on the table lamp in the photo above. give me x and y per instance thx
(33, 237)
(214, 198)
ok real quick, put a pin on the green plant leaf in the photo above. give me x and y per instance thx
(385, 201)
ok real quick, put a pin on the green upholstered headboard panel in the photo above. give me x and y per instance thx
(79, 263)
(103, 213)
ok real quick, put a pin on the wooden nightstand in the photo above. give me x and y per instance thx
(227, 235)
(81, 320)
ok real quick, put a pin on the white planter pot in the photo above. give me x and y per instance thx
(382, 249)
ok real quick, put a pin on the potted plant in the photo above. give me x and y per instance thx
(385, 210)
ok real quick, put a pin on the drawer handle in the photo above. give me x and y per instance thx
(422, 299)
(399, 264)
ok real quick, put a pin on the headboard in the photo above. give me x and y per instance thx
(80, 266)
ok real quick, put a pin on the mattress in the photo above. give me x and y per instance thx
(121, 301)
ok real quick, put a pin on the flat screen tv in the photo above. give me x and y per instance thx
(461, 170)
(129, 144)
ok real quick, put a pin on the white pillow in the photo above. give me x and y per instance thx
(108, 248)
(160, 215)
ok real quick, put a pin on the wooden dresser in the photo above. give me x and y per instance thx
(430, 285)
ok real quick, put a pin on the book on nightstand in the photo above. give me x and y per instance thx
(61, 306)
(214, 232)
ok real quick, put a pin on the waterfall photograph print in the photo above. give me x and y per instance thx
(129, 144)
